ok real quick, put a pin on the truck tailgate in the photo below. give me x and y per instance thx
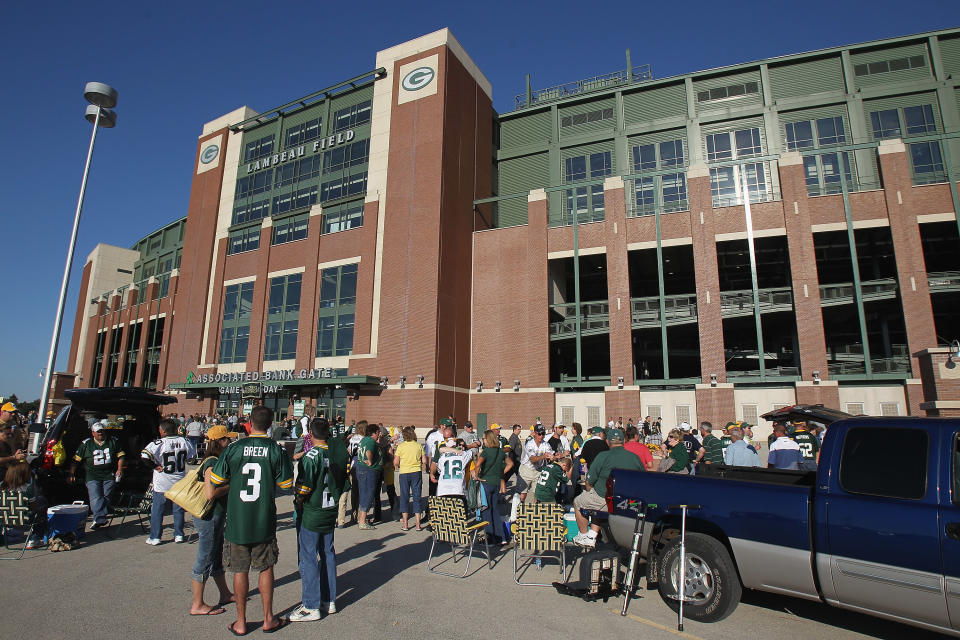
(765, 526)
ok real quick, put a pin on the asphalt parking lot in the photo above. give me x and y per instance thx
(122, 588)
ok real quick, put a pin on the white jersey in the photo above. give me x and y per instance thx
(431, 444)
(452, 473)
(170, 453)
(532, 450)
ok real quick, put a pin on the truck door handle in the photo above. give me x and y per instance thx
(953, 530)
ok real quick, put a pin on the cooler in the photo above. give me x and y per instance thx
(570, 521)
(67, 518)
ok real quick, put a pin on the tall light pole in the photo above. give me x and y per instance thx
(102, 99)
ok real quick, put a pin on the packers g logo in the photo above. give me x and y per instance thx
(209, 154)
(417, 79)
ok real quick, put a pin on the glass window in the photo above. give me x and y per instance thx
(283, 311)
(257, 149)
(919, 119)
(886, 124)
(830, 131)
(672, 187)
(338, 295)
(342, 217)
(301, 133)
(352, 116)
(241, 240)
(291, 229)
(799, 135)
(726, 183)
(865, 446)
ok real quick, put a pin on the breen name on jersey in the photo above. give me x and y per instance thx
(257, 452)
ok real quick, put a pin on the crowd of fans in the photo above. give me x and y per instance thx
(343, 470)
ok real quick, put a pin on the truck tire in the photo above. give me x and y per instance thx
(713, 587)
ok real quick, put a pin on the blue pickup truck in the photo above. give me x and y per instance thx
(875, 529)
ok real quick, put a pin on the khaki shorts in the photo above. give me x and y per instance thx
(590, 500)
(241, 558)
(528, 478)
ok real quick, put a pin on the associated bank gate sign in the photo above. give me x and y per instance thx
(277, 376)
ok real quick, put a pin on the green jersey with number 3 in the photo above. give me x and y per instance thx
(253, 467)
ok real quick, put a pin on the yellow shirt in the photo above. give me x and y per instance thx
(408, 456)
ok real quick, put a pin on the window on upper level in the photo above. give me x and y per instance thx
(352, 116)
(259, 148)
(303, 132)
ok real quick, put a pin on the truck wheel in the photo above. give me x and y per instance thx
(711, 586)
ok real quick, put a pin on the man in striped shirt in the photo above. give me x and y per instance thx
(711, 451)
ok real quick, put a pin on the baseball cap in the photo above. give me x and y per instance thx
(9, 407)
(540, 429)
(558, 424)
(219, 431)
(494, 426)
(596, 430)
(684, 426)
(96, 426)
(615, 435)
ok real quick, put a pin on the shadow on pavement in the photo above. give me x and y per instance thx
(841, 618)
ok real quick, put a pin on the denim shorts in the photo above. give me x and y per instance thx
(367, 481)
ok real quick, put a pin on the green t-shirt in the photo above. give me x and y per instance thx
(321, 479)
(100, 460)
(494, 461)
(713, 450)
(809, 444)
(220, 504)
(576, 443)
(550, 478)
(253, 467)
(725, 441)
(613, 458)
(680, 457)
(369, 444)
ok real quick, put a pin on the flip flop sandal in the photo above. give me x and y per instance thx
(283, 622)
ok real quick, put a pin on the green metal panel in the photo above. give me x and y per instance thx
(588, 107)
(317, 110)
(891, 53)
(713, 82)
(807, 77)
(655, 103)
(520, 175)
(898, 102)
(531, 128)
(950, 54)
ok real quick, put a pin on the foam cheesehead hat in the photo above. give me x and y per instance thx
(219, 431)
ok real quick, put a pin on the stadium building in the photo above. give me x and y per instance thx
(706, 246)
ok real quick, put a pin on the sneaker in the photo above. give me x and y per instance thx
(153, 541)
(34, 544)
(331, 607)
(302, 614)
(98, 525)
(178, 539)
(585, 540)
(366, 527)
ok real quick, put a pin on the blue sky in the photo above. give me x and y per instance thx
(179, 64)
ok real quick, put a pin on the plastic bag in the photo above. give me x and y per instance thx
(59, 454)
